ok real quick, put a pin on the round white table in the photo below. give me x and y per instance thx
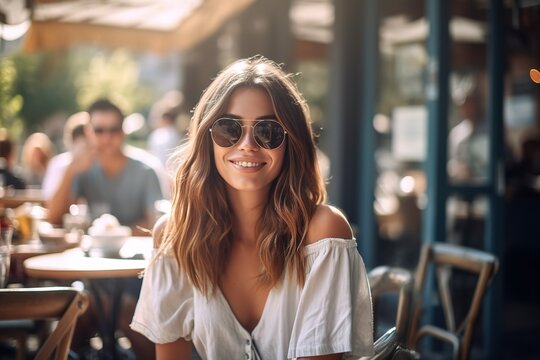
(73, 264)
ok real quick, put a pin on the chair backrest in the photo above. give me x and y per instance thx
(392, 280)
(446, 257)
(62, 303)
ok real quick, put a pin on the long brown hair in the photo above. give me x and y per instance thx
(199, 231)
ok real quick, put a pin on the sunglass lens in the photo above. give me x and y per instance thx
(226, 132)
(107, 130)
(268, 134)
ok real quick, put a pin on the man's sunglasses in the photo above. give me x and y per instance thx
(111, 130)
(268, 133)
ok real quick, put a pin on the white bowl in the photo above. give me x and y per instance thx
(108, 244)
(54, 237)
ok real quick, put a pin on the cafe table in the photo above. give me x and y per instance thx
(75, 264)
(22, 251)
(12, 198)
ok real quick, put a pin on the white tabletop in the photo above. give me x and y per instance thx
(73, 264)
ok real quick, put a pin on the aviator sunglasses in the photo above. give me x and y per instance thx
(98, 130)
(268, 133)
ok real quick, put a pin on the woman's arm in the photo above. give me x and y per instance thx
(327, 222)
(177, 350)
(180, 349)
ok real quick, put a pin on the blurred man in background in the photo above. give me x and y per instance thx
(111, 182)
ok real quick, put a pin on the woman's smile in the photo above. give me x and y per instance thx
(248, 164)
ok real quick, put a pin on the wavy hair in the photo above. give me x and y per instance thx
(199, 231)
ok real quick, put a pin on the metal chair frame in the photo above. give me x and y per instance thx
(392, 280)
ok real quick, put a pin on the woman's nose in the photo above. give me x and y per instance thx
(247, 141)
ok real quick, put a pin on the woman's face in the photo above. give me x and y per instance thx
(246, 166)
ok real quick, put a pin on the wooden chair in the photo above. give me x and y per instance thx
(391, 280)
(61, 303)
(445, 258)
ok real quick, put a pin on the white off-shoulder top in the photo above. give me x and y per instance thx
(331, 313)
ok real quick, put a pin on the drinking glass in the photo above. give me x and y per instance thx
(5, 247)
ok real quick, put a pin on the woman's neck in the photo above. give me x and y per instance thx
(247, 209)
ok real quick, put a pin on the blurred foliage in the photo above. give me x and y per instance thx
(10, 104)
(35, 88)
(114, 76)
(46, 86)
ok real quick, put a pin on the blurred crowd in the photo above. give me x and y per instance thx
(96, 169)
(38, 160)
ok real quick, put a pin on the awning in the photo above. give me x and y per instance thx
(159, 26)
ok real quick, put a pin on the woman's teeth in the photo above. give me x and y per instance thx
(246, 164)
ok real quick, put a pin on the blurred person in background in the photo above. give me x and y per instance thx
(37, 151)
(166, 136)
(106, 177)
(163, 140)
(112, 182)
(75, 143)
(154, 163)
(7, 163)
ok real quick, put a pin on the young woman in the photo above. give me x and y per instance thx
(252, 263)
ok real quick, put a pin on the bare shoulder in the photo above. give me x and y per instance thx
(328, 222)
(157, 230)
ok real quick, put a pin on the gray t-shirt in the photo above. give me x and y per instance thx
(127, 196)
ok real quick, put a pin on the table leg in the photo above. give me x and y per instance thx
(107, 322)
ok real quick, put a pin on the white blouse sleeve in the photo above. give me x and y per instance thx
(335, 313)
(164, 312)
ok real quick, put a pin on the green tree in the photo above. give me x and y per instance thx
(35, 87)
(114, 76)
(46, 86)
(10, 104)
